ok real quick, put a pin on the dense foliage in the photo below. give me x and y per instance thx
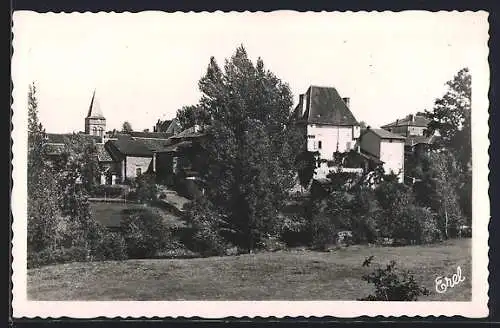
(60, 225)
(144, 232)
(251, 161)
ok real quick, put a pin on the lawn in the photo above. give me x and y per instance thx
(284, 275)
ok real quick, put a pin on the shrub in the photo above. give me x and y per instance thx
(323, 232)
(413, 225)
(61, 255)
(144, 232)
(294, 230)
(208, 227)
(146, 188)
(331, 215)
(364, 208)
(112, 246)
(392, 284)
(109, 191)
(271, 244)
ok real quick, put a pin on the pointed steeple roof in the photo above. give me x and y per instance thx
(95, 108)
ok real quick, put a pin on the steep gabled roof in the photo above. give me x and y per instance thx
(94, 108)
(409, 120)
(325, 106)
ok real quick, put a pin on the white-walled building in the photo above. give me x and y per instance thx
(386, 146)
(327, 121)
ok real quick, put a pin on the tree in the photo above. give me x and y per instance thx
(393, 199)
(250, 162)
(440, 178)
(43, 210)
(189, 116)
(451, 117)
(127, 127)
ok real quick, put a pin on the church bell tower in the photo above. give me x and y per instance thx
(95, 122)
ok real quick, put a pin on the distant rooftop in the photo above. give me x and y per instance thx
(384, 134)
(409, 120)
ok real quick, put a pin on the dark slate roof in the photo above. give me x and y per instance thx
(325, 106)
(154, 144)
(150, 135)
(409, 120)
(128, 146)
(62, 137)
(103, 154)
(176, 147)
(415, 140)
(384, 134)
(369, 157)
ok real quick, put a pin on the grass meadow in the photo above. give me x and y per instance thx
(283, 275)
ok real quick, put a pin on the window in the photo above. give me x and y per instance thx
(101, 131)
(319, 144)
(310, 136)
(315, 146)
(94, 131)
(138, 171)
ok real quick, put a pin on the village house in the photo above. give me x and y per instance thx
(331, 129)
(386, 146)
(414, 128)
(327, 121)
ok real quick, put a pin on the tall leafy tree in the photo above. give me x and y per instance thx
(451, 116)
(439, 179)
(250, 162)
(189, 116)
(43, 210)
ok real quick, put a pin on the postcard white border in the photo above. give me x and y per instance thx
(477, 307)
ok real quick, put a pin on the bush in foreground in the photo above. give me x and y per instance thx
(392, 284)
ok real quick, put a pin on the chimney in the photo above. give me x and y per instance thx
(412, 117)
(347, 101)
(302, 103)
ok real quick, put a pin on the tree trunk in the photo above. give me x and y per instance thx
(445, 222)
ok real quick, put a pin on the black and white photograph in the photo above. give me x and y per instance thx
(250, 164)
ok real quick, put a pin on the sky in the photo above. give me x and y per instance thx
(145, 66)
